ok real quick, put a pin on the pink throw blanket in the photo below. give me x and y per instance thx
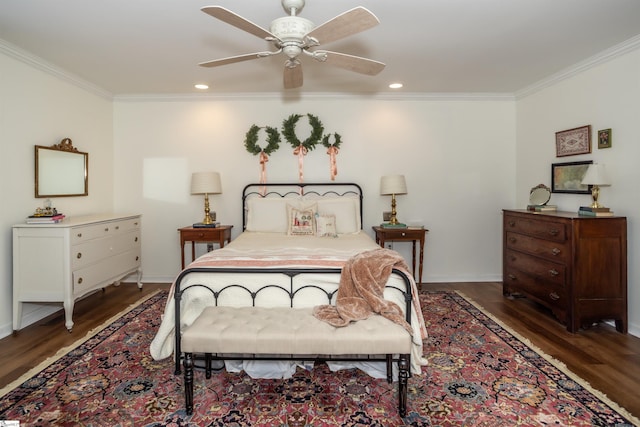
(361, 289)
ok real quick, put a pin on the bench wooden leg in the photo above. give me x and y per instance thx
(188, 382)
(403, 379)
(207, 365)
(389, 368)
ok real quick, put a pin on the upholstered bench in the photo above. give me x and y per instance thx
(274, 333)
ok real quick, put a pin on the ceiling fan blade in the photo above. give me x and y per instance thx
(237, 21)
(350, 22)
(292, 75)
(233, 59)
(352, 63)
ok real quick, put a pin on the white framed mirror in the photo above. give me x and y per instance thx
(61, 171)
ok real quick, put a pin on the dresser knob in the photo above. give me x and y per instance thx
(79, 280)
(79, 255)
(137, 258)
(553, 272)
(512, 223)
(79, 234)
(513, 258)
(136, 239)
(554, 296)
(555, 251)
(106, 229)
(554, 232)
(117, 227)
(512, 277)
(404, 234)
(512, 239)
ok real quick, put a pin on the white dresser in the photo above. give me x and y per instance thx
(65, 261)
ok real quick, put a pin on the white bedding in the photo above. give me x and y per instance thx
(277, 250)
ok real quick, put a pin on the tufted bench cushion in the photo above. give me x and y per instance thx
(284, 330)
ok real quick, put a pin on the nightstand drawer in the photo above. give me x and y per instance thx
(200, 235)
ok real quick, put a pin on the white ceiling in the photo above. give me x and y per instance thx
(129, 47)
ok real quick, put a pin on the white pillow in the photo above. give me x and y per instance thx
(268, 214)
(326, 226)
(346, 211)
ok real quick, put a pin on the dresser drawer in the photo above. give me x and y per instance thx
(89, 232)
(105, 272)
(551, 250)
(547, 293)
(548, 230)
(546, 270)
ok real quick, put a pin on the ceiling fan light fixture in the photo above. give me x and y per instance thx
(395, 85)
(201, 86)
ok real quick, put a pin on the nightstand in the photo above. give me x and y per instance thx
(409, 234)
(218, 235)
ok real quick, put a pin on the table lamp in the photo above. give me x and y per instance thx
(206, 183)
(393, 185)
(596, 176)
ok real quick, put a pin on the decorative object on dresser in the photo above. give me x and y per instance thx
(573, 141)
(596, 177)
(567, 177)
(64, 262)
(539, 197)
(574, 265)
(392, 185)
(206, 183)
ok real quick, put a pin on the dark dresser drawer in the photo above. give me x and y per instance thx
(551, 250)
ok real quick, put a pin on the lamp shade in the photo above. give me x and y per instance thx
(393, 184)
(596, 175)
(206, 183)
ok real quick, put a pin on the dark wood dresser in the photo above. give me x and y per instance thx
(574, 265)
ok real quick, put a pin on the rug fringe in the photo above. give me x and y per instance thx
(64, 350)
(555, 362)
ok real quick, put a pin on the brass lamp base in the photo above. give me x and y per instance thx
(595, 193)
(208, 219)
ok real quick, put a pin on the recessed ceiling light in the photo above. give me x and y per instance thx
(201, 86)
(395, 85)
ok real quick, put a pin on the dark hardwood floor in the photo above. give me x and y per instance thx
(607, 359)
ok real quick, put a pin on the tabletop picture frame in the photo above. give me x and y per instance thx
(567, 177)
(573, 141)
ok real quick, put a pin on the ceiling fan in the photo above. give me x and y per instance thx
(293, 36)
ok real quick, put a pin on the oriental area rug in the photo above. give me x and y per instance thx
(479, 374)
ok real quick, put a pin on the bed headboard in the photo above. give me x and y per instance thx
(310, 191)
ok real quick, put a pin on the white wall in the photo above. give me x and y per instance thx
(37, 108)
(457, 155)
(604, 97)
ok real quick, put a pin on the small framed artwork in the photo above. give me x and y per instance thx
(567, 177)
(573, 141)
(604, 138)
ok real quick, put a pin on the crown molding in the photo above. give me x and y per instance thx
(582, 66)
(42, 65)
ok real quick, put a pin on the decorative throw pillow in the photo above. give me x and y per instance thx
(326, 225)
(302, 222)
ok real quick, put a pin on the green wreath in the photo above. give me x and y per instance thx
(251, 140)
(336, 140)
(289, 131)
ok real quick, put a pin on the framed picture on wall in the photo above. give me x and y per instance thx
(604, 138)
(573, 141)
(567, 177)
